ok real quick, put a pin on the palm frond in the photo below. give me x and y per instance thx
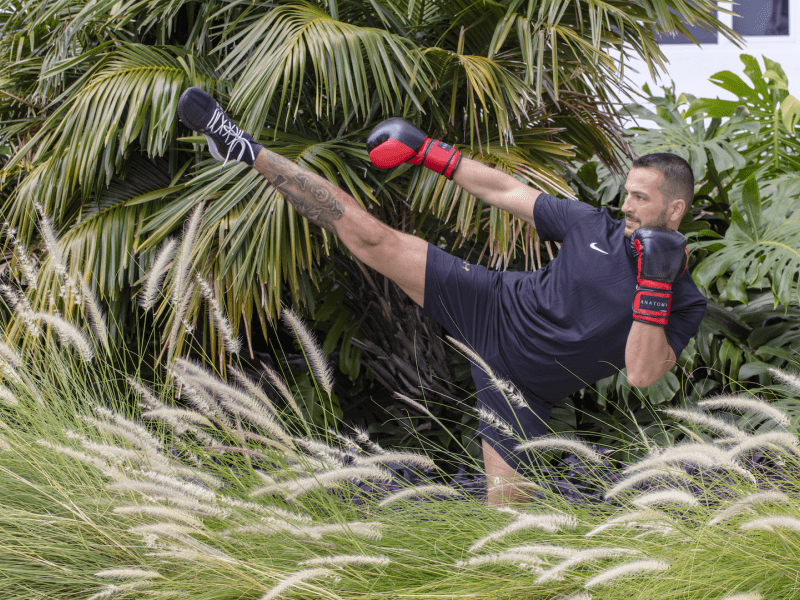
(347, 64)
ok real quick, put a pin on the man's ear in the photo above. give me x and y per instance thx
(675, 211)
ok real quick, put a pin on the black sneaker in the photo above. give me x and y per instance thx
(202, 113)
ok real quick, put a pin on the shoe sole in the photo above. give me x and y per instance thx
(212, 146)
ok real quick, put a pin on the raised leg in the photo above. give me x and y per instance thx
(399, 256)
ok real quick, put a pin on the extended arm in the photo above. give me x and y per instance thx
(648, 356)
(497, 188)
(396, 141)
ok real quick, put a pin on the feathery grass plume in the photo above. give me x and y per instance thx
(99, 464)
(647, 515)
(352, 448)
(626, 569)
(269, 527)
(10, 356)
(232, 343)
(201, 401)
(68, 334)
(371, 531)
(177, 417)
(333, 456)
(152, 282)
(7, 397)
(646, 476)
(239, 402)
(113, 454)
(30, 274)
(773, 497)
(509, 390)
(4, 445)
(771, 439)
(169, 530)
(184, 258)
(421, 490)
(263, 421)
(401, 458)
(545, 522)
(706, 455)
(750, 596)
(146, 440)
(556, 573)
(180, 535)
(254, 390)
(147, 399)
(96, 316)
(558, 442)
(543, 550)
(298, 579)
(342, 560)
(665, 497)
(19, 303)
(280, 385)
(790, 379)
(413, 404)
(771, 523)
(705, 421)
(159, 512)
(153, 492)
(123, 574)
(474, 356)
(322, 371)
(335, 478)
(51, 241)
(179, 316)
(523, 561)
(746, 404)
(264, 509)
(492, 419)
(116, 590)
(184, 487)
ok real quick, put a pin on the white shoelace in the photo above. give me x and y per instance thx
(220, 124)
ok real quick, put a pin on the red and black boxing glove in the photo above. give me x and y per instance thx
(396, 141)
(662, 257)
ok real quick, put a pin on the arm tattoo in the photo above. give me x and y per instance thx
(311, 195)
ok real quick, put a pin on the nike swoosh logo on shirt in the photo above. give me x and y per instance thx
(593, 246)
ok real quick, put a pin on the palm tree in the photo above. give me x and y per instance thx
(88, 95)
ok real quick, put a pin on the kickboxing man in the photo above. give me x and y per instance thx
(616, 296)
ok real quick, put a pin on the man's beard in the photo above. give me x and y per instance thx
(660, 222)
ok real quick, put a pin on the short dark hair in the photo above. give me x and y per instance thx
(678, 179)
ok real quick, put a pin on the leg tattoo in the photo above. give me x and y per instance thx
(317, 199)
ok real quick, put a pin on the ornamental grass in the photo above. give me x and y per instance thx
(215, 489)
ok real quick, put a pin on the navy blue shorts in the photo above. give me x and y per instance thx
(464, 299)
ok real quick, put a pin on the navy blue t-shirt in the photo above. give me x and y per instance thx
(567, 324)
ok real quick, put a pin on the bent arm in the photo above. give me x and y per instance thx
(497, 188)
(648, 355)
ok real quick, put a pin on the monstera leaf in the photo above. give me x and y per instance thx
(754, 248)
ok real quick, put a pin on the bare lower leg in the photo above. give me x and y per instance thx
(399, 256)
(504, 486)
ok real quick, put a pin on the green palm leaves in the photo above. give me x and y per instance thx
(353, 65)
(88, 120)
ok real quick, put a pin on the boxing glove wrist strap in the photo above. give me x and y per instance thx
(652, 301)
(437, 156)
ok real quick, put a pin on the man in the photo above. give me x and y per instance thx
(550, 332)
